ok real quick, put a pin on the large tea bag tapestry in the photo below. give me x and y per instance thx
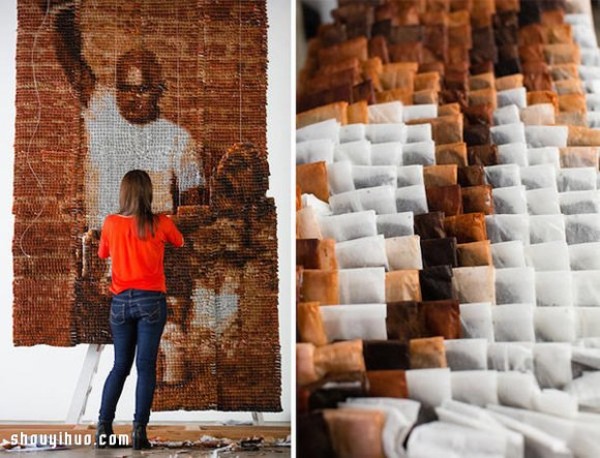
(178, 89)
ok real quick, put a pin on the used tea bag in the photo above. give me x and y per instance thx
(476, 321)
(356, 321)
(345, 425)
(305, 366)
(482, 154)
(430, 225)
(339, 358)
(515, 285)
(543, 201)
(540, 114)
(431, 387)
(418, 133)
(585, 256)
(352, 132)
(452, 153)
(440, 175)
(385, 133)
(316, 254)
(386, 355)
(412, 112)
(388, 384)
(339, 175)
(548, 256)
(539, 176)
(547, 228)
(410, 175)
(404, 252)
(382, 113)
(582, 228)
(363, 252)
(508, 133)
(381, 199)
(508, 254)
(474, 254)
(513, 323)
(540, 136)
(474, 284)
(468, 227)
(310, 324)
(427, 353)
(578, 202)
(362, 286)
(386, 154)
(370, 176)
(466, 354)
(516, 96)
(555, 324)
(348, 226)
(358, 153)
(505, 228)
(315, 151)
(436, 283)
(510, 200)
(577, 179)
(477, 387)
(320, 286)
(447, 199)
(402, 285)
(395, 224)
(517, 389)
(439, 252)
(440, 318)
(513, 153)
(307, 224)
(411, 199)
(329, 129)
(403, 321)
(508, 114)
(418, 153)
(504, 175)
(552, 363)
(511, 356)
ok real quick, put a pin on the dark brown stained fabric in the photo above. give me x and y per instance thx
(477, 135)
(436, 283)
(364, 91)
(529, 13)
(356, 433)
(483, 155)
(320, 286)
(484, 45)
(482, 67)
(312, 434)
(534, 97)
(299, 277)
(339, 358)
(428, 353)
(310, 324)
(326, 82)
(406, 34)
(447, 199)
(474, 254)
(332, 34)
(378, 48)
(441, 318)
(469, 227)
(302, 396)
(312, 178)
(357, 17)
(452, 153)
(356, 47)
(536, 76)
(478, 199)
(305, 102)
(472, 175)
(440, 175)
(439, 252)
(316, 254)
(479, 114)
(385, 355)
(506, 26)
(406, 52)
(403, 321)
(430, 225)
(388, 384)
(328, 392)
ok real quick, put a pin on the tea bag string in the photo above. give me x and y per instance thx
(240, 67)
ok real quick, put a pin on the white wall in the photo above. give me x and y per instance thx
(37, 383)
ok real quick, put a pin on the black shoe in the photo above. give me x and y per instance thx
(139, 437)
(104, 432)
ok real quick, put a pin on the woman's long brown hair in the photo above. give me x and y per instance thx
(135, 199)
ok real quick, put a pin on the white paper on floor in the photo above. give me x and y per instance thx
(395, 224)
(314, 151)
(508, 254)
(513, 323)
(356, 321)
(363, 252)
(476, 321)
(362, 286)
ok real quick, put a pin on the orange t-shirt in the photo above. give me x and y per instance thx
(136, 263)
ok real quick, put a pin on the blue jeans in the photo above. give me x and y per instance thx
(137, 318)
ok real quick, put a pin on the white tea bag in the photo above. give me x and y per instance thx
(352, 132)
(593, 119)
(508, 114)
(508, 254)
(504, 175)
(411, 199)
(419, 153)
(552, 362)
(582, 228)
(511, 356)
(386, 154)
(577, 179)
(349, 226)
(548, 256)
(516, 96)
(508, 133)
(585, 256)
(321, 208)
(555, 324)
(540, 136)
(513, 323)
(404, 252)
(517, 389)
(410, 175)
(370, 176)
(385, 133)
(584, 35)
(357, 321)
(510, 200)
(540, 114)
(395, 224)
(475, 387)
(538, 176)
(339, 176)
(544, 155)
(505, 228)
(586, 288)
(543, 201)
(546, 228)
(590, 57)
(358, 153)
(329, 129)
(513, 153)
(307, 224)
(416, 133)
(363, 252)
(585, 390)
(578, 202)
(431, 387)
(382, 113)
(588, 320)
(474, 284)
(554, 289)
(515, 285)
(466, 354)
(422, 111)
(381, 199)
(476, 321)
(592, 101)
(314, 151)
(362, 286)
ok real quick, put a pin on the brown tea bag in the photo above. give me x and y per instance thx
(507, 5)
(477, 135)
(406, 52)
(564, 72)
(571, 118)
(478, 199)
(320, 286)
(532, 34)
(403, 321)
(307, 224)
(562, 54)
(424, 81)
(298, 197)
(451, 153)
(572, 103)
(427, 353)
(335, 110)
(340, 66)
(402, 285)
(483, 96)
(472, 175)
(440, 175)
(339, 358)
(427, 96)
(482, 155)
(534, 97)
(316, 254)
(479, 114)
(356, 433)
(482, 81)
(559, 34)
(398, 75)
(439, 252)
(310, 324)
(445, 129)
(579, 156)
(403, 95)
(474, 254)
(371, 69)
(385, 355)
(449, 109)
(509, 82)
(459, 29)
(438, 67)
(387, 384)
(469, 227)
(536, 76)
(430, 225)
(325, 82)
(358, 113)
(441, 318)
(447, 199)
(378, 49)
(482, 12)
(332, 34)
(364, 91)
(305, 364)
(436, 284)
(583, 136)
(552, 17)
(356, 47)
(312, 178)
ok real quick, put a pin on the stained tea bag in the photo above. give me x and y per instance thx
(431, 387)
(440, 175)
(552, 363)
(339, 358)
(362, 286)
(411, 199)
(305, 366)
(339, 176)
(412, 112)
(585, 256)
(320, 286)
(386, 153)
(577, 179)
(541, 136)
(388, 383)
(505, 228)
(315, 151)
(386, 355)
(344, 426)
(474, 284)
(468, 227)
(539, 176)
(510, 200)
(466, 354)
(513, 323)
(402, 285)
(476, 321)
(508, 114)
(477, 387)
(439, 252)
(381, 199)
(578, 202)
(543, 201)
(418, 153)
(427, 353)
(370, 176)
(540, 114)
(555, 324)
(356, 321)
(504, 175)
(363, 252)
(329, 129)
(352, 132)
(515, 285)
(310, 324)
(385, 133)
(404, 252)
(430, 225)
(508, 254)
(382, 113)
(316, 254)
(547, 228)
(440, 318)
(358, 153)
(447, 199)
(516, 96)
(548, 256)
(348, 226)
(582, 228)
(410, 175)
(436, 283)
(513, 153)
(453, 153)
(511, 356)
(474, 254)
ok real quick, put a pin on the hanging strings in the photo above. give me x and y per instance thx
(240, 65)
